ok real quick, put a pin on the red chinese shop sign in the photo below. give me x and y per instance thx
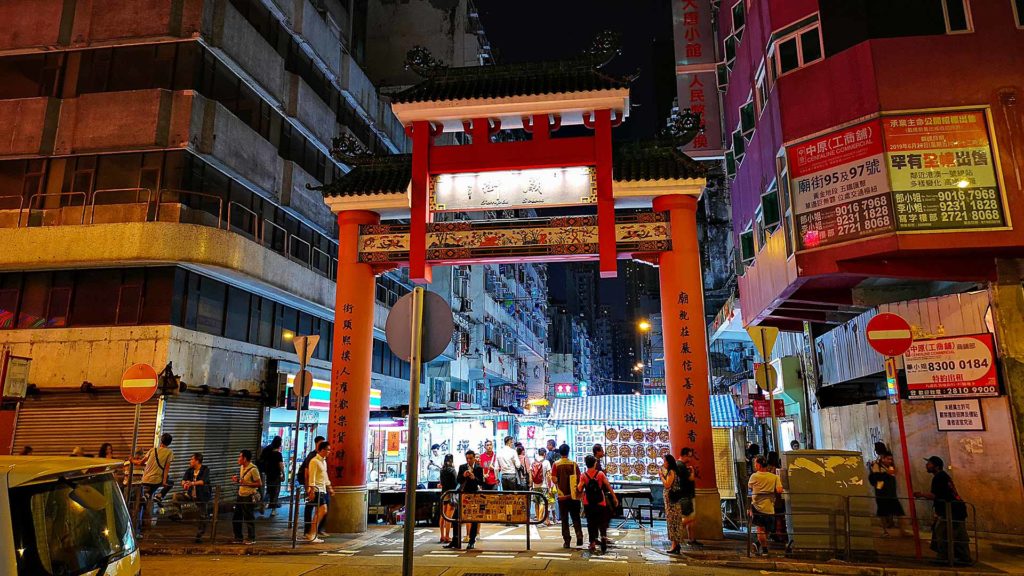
(956, 367)
(763, 410)
(696, 81)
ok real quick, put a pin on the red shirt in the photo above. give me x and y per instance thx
(601, 480)
(487, 463)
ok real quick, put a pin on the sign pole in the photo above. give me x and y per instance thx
(412, 456)
(771, 397)
(131, 457)
(299, 382)
(890, 374)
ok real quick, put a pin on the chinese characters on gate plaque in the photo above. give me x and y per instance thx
(339, 397)
(687, 316)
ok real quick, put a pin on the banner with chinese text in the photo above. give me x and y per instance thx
(942, 171)
(956, 367)
(839, 187)
(696, 82)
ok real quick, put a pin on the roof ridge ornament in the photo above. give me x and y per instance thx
(682, 127)
(349, 150)
(422, 62)
(605, 46)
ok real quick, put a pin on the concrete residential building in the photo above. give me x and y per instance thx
(873, 159)
(154, 208)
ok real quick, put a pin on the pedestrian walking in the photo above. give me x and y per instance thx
(950, 512)
(507, 465)
(540, 480)
(106, 451)
(688, 486)
(156, 464)
(271, 466)
(196, 489)
(449, 482)
(764, 488)
(552, 457)
(883, 480)
(598, 501)
(565, 475)
(248, 480)
(669, 474)
(522, 471)
(778, 534)
(598, 451)
(470, 479)
(488, 462)
(300, 484)
(318, 484)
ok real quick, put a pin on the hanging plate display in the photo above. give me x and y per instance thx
(611, 434)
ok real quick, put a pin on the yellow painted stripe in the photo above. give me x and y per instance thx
(138, 383)
(888, 334)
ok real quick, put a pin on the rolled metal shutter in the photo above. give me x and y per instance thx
(54, 423)
(217, 426)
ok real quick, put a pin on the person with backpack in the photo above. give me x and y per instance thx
(300, 482)
(540, 480)
(594, 486)
(947, 502)
(155, 485)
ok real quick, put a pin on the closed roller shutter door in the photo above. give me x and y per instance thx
(218, 427)
(55, 423)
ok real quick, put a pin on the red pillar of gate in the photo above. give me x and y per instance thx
(686, 360)
(419, 213)
(607, 256)
(350, 377)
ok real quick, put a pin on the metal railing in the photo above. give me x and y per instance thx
(202, 209)
(863, 528)
(452, 500)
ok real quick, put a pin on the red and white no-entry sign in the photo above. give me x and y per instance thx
(138, 383)
(889, 334)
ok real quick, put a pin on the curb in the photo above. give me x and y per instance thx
(842, 569)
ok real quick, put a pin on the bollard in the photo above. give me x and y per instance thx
(216, 513)
(849, 527)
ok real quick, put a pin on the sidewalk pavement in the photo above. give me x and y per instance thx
(634, 546)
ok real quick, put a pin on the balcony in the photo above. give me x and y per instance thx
(131, 120)
(239, 40)
(321, 38)
(233, 142)
(167, 206)
(25, 121)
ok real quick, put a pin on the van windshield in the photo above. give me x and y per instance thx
(59, 531)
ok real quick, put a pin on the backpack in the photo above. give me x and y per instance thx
(537, 473)
(593, 491)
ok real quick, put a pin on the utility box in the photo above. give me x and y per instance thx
(820, 485)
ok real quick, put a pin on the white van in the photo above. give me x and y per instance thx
(64, 517)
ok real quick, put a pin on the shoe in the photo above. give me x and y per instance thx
(315, 540)
(470, 546)
(579, 542)
(593, 548)
(757, 549)
(565, 544)
(674, 550)
(199, 539)
(248, 542)
(323, 534)
(604, 546)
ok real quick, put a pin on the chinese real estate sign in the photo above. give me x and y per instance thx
(956, 367)
(840, 191)
(941, 168)
(904, 172)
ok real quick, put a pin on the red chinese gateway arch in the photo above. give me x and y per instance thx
(659, 185)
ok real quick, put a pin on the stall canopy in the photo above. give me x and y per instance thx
(621, 407)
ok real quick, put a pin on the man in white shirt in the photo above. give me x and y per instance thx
(506, 465)
(764, 486)
(316, 489)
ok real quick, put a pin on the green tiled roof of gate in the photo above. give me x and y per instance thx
(384, 175)
(631, 163)
(506, 80)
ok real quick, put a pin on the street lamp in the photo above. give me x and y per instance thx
(644, 326)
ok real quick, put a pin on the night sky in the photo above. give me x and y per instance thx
(533, 31)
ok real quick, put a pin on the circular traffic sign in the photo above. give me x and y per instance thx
(302, 384)
(138, 383)
(889, 334)
(438, 327)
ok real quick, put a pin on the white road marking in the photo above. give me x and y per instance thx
(519, 535)
(607, 560)
(491, 555)
(566, 554)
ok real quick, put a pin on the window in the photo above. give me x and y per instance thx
(760, 90)
(759, 229)
(739, 18)
(739, 145)
(770, 207)
(1018, 12)
(957, 14)
(747, 117)
(730, 51)
(747, 250)
(782, 177)
(722, 76)
(730, 164)
(797, 49)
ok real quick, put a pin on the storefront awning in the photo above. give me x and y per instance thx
(629, 407)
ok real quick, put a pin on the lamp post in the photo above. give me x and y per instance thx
(643, 326)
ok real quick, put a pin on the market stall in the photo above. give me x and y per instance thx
(634, 432)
